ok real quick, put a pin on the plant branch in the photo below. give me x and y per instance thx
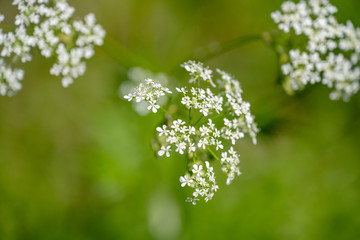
(212, 153)
(214, 51)
(164, 110)
(123, 55)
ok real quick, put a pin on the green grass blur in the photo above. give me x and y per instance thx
(77, 163)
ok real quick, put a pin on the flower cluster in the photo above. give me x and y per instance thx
(202, 99)
(202, 180)
(223, 118)
(230, 164)
(9, 79)
(149, 92)
(198, 72)
(331, 51)
(183, 137)
(48, 26)
(136, 75)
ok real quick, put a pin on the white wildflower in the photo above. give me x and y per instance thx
(47, 26)
(186, 180)
(205, 138)
(162, 130)
(202, 180)
(203, 100)
(149, 92)
(10, 79)
(229, 164)
(165, 151)
(332, 49)
(197, 71)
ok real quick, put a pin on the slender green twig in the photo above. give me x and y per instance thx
(218, 116)
(214, 51)
(123, 55)
(190, 116)
(198, 120)
(164, 110)
(212, 153)
(207, 53)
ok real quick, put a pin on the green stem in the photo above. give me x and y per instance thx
(164, 110)
(211, 52)
(212, 118)
(217, 116)
(212, 153)
(123, 55)
(198, 120)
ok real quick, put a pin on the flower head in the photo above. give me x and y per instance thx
(201, 140)
(202, 181)
(330, 54)
(149, 92)
(47, 26)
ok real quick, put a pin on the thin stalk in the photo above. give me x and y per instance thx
(211, 52)
(190, 116)
(164, 110)
(123, 55)
(217, 116)
(198, 120)
(212, 153)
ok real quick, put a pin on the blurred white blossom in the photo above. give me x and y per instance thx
(330, 55)
(48, 27)
(9, 79)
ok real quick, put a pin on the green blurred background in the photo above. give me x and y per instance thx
(77, 163)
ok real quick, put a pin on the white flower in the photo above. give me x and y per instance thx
(153, 106)
(192, 147)
(219, 145)
(162, 130)
(181, 90)
(10, 79)
(149, 92)
(197, 169)
(192, 200)
(201, 142)
(180, 147)
(165, 150)
(186, 180)
(197, 192)
(202, 180)
(198, 71)
(229, 162)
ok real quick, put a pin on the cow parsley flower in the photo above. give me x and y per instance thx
(330, 54)
(229, 164)
(149, 92)
(198, 72)
(9, 79)
(202, 99)
(202, 181)
(217, 118)
(48, 26)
